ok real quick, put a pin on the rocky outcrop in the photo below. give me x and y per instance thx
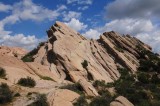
(13, 51)
(67, 57)
(66, 50)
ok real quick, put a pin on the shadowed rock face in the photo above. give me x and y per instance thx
(62, 57)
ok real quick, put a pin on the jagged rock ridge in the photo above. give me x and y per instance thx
(62, 57)
(67, 49)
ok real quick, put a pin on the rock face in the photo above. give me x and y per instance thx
(68, 57)
(66, 49)
(121, 101)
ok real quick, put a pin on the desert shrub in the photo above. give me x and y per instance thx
(81, 101)
(155, 79)
(84, 64)
(5, 93)
(143, 77)
(99, 85)
(2, 72)
(46, 78)
(41, 100)
(74, 87)
(28, 82)
(100, 101)
(29, 56)
(28, 59)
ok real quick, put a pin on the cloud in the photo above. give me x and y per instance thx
(84, 2)
(140, 18)
(92, 33)
(76, 24)
(152, 38)
(25, 10)
(128, 26)
(120, 9)
(28, 42)
(83, 8)
(5, 8)
(71, 14)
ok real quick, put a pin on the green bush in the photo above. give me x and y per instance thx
(28, 82)
(155, 79)
(99, 85)
(41, 100)
(29, 56)
(84, 64)
(74, 87)
(2, 73)
(5, 93)
(100, 101)
(46, 78)
(81, 101)
(119, 49)
(144, 77)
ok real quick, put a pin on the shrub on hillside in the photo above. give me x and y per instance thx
(144, 78)
(81, 101)
(84, 64)
(74, 87)
(41, 100)
(28, 82)
(5, 93)
(2, 72)
(100, 101)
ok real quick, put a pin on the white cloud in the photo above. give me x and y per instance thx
(143, 29)
(88, 2)
(152, 38)
(5, 8)
(76, 24)
(128, 26)
(92, 33)
(83, 8)
(70, 15)
(25, 10)
(29, 42)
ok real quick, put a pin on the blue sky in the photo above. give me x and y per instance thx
(23, 22)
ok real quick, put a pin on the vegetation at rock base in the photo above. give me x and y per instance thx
(81, 101)
(142, 88)
(76, 87)
(29, 56)
(2, 73)
(119, 49)
(5, 93)
(41, 100)
(28, 82)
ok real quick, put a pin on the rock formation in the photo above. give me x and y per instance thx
(67, 57)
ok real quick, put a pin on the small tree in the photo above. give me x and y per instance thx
(84, 64)
(5, 93)
(41, 100)
(2, 73)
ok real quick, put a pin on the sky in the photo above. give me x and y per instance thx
(23, 23)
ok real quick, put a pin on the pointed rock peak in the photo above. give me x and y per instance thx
(60, 30)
